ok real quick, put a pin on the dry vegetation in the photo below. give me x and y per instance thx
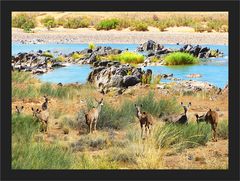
(138, 21)
(117, 143)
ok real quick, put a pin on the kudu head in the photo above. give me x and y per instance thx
(19, 109)
(186, 107)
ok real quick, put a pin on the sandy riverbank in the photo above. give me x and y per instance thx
(86, 35)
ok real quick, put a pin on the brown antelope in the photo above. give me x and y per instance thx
(19, 109)
(212, 118)
(181, 119)
(144, 119)
(45, 104)
(42, 117)
(92, 116)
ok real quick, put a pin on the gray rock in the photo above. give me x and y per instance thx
(130, 80)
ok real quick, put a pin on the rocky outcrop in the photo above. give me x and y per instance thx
(194, 75)
(154, 49)
(189, 87)
(115, 76)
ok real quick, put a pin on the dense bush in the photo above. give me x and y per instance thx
(24, 21)
(180, 58)
(107, 24)
(140, 26)
(75, 23)
(49, 22)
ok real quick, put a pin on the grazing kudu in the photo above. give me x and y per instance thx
(212, 118)
(19, 109)
(42, 117)
(181, 119)
(45, 104)
(144, 119)
(92, 116)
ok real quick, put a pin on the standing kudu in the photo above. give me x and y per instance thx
(93, 115)
(181, 119)
(42, 117)
(212, 118)
(144, 119)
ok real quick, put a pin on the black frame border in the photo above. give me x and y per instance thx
(164, 5)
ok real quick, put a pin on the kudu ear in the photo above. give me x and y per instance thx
(141, 105)
(135, 105)
(22, 107)
(189, 104)
(181, 103)
(210, 109)
(32, 109)
(16, 107)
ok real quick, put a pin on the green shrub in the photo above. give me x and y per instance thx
(222, 129)
(215, 24)
(91, 46)
(180, 137)
(76, 56)
(140, 26)
(180, 58)
(62, 92)
(40, 156)
(24, 21)
(60, 58)
(119, 118)
(128, 57)
(49, 22)
(123, 155)
(47, 54)
(107, 24)
(20, 77)
(162, 26)
(23, 128)
(200, 28)
(157, 107)
(28, 91)
(75, 23)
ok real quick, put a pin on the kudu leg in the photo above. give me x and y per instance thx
(90, 127)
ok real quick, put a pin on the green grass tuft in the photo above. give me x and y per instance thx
(180, 58)
(128, 57)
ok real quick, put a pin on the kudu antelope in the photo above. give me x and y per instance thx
(92, 116)
(19, 109)
(42, 117)
(45, 104)
(181, 119)
(144, 119)
(212, 118)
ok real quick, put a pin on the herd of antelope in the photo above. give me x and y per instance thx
(145, 119)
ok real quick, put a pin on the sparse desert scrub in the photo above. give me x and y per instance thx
(24, 21)
(49, 22)
(180, 58)
(74, 23)
(139, 26)
(222, 129)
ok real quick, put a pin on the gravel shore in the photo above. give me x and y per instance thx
(114, 36)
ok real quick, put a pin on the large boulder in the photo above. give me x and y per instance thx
(130, 80)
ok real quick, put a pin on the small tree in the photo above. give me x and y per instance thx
(49, 22)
